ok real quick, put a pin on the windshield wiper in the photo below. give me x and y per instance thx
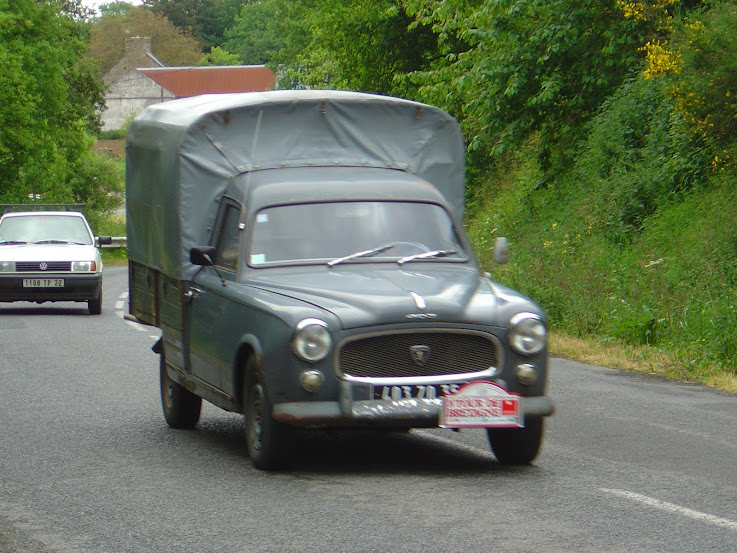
(51, 242)
(426, 255)
(12, 242)
(365, 253)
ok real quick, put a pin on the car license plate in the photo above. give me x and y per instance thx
(43, 283)
(415, 391)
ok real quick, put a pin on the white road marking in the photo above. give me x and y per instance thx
(673, 508)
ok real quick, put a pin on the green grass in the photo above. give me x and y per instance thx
(664, 298)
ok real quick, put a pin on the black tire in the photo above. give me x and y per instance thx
(94, 306)
(517, 446)
(181, 407)
(270, 443)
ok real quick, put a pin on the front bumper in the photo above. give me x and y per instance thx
(77, 287)
(414, 413)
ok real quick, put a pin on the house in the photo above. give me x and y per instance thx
(140, 80)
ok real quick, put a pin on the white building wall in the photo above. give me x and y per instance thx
(128, 96)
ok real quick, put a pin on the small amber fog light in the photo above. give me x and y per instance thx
(526, 374)
(311, 380)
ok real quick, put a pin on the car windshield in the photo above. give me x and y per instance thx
(334, 233)
(54, 229)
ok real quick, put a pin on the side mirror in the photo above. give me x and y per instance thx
(204, 256)
(501, 250)
(104, 240)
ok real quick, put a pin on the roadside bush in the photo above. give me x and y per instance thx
(706, 89)
(98, 182)
(640, 156)
(635, 245)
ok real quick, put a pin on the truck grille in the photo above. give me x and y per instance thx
(411, 354)
(42, 266)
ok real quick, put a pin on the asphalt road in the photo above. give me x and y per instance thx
(87, 463)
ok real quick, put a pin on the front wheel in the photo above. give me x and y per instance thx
(181, 407)
(94, 306)
(517, 446)
(269, 442)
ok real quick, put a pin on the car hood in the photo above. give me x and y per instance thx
(48, 252)
(367, 297)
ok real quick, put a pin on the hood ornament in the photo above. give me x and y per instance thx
(419, 300)
(421, 304)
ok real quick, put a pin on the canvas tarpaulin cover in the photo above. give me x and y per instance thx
(181, 156)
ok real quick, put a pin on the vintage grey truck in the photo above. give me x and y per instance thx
(303, 254)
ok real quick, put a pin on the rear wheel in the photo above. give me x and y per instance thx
(94, 306)
(270, 443)
(181, 407)
(517, 446)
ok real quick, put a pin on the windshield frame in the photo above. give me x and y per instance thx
(462, 245)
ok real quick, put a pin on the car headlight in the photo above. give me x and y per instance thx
(84, 266)
(528, 334)
(312, 340)
(7, 266)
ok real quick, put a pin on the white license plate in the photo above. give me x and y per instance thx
(415, 391)
(43, 283)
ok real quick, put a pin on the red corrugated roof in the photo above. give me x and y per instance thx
(193, 81)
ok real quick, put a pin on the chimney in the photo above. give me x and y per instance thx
(136, 49)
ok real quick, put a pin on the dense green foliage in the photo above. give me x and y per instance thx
(206, 19)
(636, 241)
(48, 106)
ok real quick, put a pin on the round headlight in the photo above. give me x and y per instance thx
(312, 340)
(528, 335)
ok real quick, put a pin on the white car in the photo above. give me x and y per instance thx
(50, 256)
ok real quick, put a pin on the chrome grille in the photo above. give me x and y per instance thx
(390, 355)
(35, 266)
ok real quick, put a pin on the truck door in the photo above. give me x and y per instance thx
(211, 319)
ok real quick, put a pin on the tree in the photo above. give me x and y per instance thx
(206, 20)
(47, 98)
(354, 44)
(169, 44)
(537, 67)
(219, 56)
(263, 29)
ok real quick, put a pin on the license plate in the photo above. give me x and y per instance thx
(43, 283)
(415, 391)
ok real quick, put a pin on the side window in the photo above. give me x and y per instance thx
(226, 254)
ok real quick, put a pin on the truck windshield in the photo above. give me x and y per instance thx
(50, 229)
(335, 233)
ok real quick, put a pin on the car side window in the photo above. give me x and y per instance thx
(227, 247)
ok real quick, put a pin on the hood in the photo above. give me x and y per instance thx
(362, 296)
(48, 252)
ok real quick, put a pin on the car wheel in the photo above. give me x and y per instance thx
(517, 446)
(181, 407)
(94, 306)
(269, 442)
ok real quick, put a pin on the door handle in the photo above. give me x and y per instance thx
(192, 293)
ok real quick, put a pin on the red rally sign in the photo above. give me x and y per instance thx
(481, 404)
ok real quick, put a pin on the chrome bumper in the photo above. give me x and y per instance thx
(415, 413)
